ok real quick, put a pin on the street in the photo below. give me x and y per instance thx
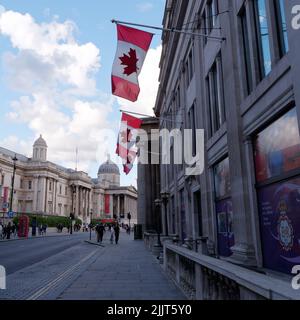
(68, 268)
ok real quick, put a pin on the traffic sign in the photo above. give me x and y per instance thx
(11, 214)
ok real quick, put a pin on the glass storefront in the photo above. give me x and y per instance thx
(224, 208)
(277, 160)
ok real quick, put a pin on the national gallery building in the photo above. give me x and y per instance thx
(45, 188)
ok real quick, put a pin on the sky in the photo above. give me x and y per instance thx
(55, 67)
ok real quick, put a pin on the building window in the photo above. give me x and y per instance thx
(215, 94)
(183, 215)
(60, 189)
(50, 207)
(21, 183)
(29, 185)
(189, 68)
(198, 213)
(278, 153)
(50, 186)
(246, 51)
(282, 27)
(66, 191)
(212, 12)
(263, 37)
(224, 208)
(192, 124)
(277, 164)
(173, 214)
(60, 209)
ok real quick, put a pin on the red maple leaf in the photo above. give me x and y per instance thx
(130, 61)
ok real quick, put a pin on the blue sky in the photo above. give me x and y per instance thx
(38, 95)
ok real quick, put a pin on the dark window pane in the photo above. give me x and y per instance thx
(225, 227)
(264, 37)
(246, 48)
(282, 27)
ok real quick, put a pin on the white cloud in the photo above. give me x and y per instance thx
(56, 76)
(145, 7)
(52, 45)
(148, 80)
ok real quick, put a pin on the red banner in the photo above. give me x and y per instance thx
(107, 204)
(5, 199)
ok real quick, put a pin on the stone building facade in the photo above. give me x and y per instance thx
(242, 213)
(148, 182)
(42, 187)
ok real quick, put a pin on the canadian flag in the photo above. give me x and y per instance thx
(126, 147)
(133, 46)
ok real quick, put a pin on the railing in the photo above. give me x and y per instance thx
(203, 277)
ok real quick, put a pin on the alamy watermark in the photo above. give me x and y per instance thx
(296, 17)
(296, 279)
(2, 278)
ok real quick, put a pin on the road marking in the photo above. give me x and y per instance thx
(61, 277)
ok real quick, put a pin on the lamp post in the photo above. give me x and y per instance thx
(72, 215)
(165, 198)
(13, 184)
(91, 214)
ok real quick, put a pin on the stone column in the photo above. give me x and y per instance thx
(76, 200)
(35, 196)
(45, 195)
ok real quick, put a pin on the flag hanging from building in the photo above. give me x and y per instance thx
(133, 45)
(126, 146)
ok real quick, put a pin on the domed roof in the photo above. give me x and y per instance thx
(40, 142)
(109, 167)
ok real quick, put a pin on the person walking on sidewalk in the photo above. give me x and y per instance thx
(1, 231)
(112, 235)
(100, 232)
(8, 231)
(117, 233)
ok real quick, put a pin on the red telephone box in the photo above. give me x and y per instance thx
(23, 227)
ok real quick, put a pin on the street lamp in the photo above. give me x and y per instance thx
(13, 183)
(72, 214)
(91, 214)
(165, 198)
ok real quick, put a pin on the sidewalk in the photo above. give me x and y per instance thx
(126, 271)
(51, 232)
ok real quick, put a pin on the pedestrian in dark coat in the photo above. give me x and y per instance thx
(117, 233)
(8, 231)
(100, 232)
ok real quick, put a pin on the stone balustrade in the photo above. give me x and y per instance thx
(202, 277)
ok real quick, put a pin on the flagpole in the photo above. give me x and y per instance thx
(169, 30)
(146, 115)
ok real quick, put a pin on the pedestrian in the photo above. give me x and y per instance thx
(45, 226)
(117, 233)
(40, 230)
(1, 231)
(100, 232)
(8, 231)
(112, 235)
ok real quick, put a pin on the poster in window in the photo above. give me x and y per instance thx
(225, 227)
(222, 179)
(277, 152)
(279, 207)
